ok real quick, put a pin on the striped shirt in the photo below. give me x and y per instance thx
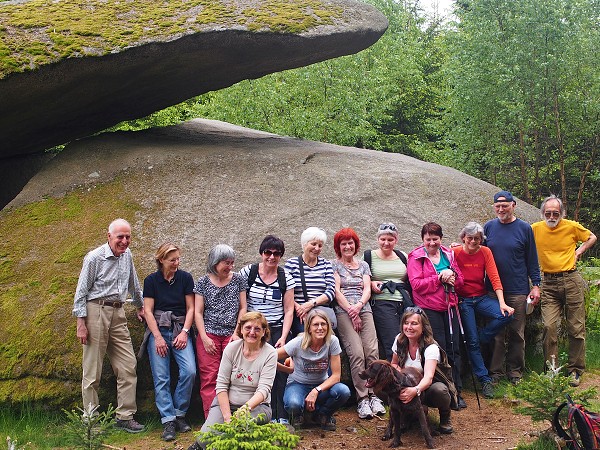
(105, 276)
(319, 279)
(267, 298)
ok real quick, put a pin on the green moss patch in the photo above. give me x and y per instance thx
(42, 246)
(40, 32)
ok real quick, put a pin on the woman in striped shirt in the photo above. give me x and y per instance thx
(313, 275)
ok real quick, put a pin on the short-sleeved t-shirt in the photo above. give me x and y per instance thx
(431, 352)
(311, 367)
(221, 304)
(169, 296)
(267, 298)
(388, 269)
(351, 283)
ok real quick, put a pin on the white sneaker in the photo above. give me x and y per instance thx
(364, 409)
(377, 405)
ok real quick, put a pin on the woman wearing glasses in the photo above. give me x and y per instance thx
(271, 292)
(245, 375)
(434, 275)
(169, 312)
(313, 276)
(220, 302)
(416, 347)
(355, 318)
(476, 262)
(388, 272)
(314, 385)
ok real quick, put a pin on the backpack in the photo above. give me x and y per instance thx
(406, 285)
(280, 278)
(582, 426)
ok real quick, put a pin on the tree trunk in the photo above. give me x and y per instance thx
(561, 151)
(523, 161)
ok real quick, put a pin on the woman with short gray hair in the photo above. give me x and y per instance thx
(475, 263)
(220, 301)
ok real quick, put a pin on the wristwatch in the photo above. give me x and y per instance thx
(418, 390)
(318, 389)
(187, 330)
(314, 303)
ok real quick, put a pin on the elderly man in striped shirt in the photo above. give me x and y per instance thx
(107, 277)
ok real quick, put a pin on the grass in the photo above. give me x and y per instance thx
(29, 424)
(40, 32)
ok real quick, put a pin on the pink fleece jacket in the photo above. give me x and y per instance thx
(428, 290)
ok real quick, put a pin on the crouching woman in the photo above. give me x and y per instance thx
(415, 347)
(245, 377)
(314, 385)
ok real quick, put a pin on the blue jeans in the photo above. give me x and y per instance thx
(328, 401)
(173, 405)
(488, 307)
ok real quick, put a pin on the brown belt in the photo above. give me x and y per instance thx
(559, 274)
(111, 303)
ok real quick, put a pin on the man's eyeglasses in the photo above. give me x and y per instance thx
(549, 214)
(388, 226)
(276, 253)
(414, 310)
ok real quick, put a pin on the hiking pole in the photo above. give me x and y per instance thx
(447, 289)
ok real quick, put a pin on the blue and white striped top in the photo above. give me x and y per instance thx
(319, 279)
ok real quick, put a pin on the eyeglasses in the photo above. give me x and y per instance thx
(414, 310)
(473, 238)
(549, 214)
(250, 328)
(319, 325)
(388, 226)
(276, 253)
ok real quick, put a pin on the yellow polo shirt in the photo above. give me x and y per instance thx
(556, 246)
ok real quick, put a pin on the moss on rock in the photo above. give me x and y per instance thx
(40, 32)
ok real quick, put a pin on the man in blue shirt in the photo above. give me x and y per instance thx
(513, 246)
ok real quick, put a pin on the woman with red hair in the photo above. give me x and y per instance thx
(354, 316)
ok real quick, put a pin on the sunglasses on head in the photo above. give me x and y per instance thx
(276, 253)
(388, 226)
(414, 310)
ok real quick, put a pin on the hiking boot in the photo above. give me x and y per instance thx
(181, 425)
(487, 389)
(327, 423)
(377, 405)
(574, 379)
(515, 380)
(131, 426)
(461, 402)
(298, 422)
(168, 433)
(194, 446)
(445, 422)
(364, 409)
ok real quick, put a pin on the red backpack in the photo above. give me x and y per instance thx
(582, 430)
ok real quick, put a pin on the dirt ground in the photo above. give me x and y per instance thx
(495, 426)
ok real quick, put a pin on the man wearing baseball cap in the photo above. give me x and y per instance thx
(512, 243)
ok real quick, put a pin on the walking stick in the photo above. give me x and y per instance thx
(448, 288)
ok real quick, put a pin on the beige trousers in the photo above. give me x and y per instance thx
(108, 335)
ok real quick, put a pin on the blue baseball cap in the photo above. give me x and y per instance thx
(504, 196)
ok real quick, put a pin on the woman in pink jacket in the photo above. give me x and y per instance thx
(434, 275)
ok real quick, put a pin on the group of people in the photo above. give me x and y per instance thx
(265, 335)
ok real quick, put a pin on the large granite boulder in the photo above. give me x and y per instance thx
(198, 184)
(86, 80)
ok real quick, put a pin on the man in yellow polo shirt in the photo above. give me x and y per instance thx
(563, 287)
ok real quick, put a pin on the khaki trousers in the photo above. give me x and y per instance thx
(108, 335)
(564, 293)
(509, 344)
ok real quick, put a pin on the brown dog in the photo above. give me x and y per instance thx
(388, 382)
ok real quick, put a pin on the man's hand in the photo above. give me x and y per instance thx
(534, 295)
(82, 331)
(140, 314)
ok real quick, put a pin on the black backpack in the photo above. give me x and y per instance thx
(280, 278)
(367, 258)
(582, 426)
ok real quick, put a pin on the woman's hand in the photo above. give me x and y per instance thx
(234, 337)
(357, 324)
(376, 286)
(162, 349)
(407, 394)
(447, 276)
(311, 400)
(504, 308)
(355, 310)
(209, 346)
(180, 342)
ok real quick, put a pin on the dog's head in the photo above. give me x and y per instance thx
(379, 373)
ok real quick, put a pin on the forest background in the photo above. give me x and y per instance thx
(507, 91)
